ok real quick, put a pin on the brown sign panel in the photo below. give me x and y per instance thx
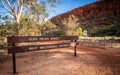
(18, 39)
(20, 49)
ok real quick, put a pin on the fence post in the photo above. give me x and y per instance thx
(84, 41)
(94, 41)
(112, 42)
(104, 42)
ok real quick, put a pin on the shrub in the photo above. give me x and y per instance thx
(55, 33)
(70, 26)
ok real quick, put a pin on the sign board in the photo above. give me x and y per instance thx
(19, 49)
(19, 39)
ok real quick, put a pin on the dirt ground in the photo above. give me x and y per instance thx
(89, 61)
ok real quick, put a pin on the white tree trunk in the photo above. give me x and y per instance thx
(6, 4)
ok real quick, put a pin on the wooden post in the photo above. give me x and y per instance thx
(14, 60)
(112, 42)
(14, 63)
(75, 52)
(94, 42)
(104, 42)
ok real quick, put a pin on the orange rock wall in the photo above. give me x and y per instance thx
(97, 8)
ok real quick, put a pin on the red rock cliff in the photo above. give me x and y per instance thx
(93, 10)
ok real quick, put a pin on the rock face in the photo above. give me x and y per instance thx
(99, 13)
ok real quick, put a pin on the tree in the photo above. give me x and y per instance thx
(70, 26)
(41, 10)
(48, 27)
(15, 8)
(28, 27)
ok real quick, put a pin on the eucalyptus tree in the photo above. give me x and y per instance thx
(14, 7)
(40, 10)
(71, 26)
(17, 7)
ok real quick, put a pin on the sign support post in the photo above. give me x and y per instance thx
(14, 60)
(75, 53)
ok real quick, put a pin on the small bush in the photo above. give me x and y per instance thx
(55, 33)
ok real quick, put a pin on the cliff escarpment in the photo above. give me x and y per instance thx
(98, 14)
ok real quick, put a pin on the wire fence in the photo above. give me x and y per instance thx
(102, 42)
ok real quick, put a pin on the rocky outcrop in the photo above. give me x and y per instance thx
(99, 13)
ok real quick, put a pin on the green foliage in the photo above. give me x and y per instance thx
(70, 23)
(40, 9)
(50, 29)
(70, 26)
(78, 31)
(48, 26)
(100, 32)
(5, 30)
(55, 33)
(114, 30)
(28, 27)
(1, 42)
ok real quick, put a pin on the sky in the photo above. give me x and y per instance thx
(68, 5)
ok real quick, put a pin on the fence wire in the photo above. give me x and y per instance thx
(102, 42)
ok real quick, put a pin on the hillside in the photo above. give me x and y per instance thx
(101, 13)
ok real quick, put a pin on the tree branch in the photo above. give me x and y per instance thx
(17, 3)
(10, 11)
(44, 16)
(20, 7)
(9, 4)
(11, 7)
(5, 6)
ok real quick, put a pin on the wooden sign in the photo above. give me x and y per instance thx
(19, 39)
(19, 49)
